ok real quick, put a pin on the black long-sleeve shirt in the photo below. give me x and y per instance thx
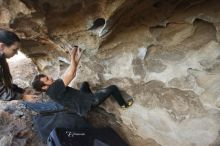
(71, 98)
(9, 93)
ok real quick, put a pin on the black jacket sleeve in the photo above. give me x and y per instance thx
(9, 93)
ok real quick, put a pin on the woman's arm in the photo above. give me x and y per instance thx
(15, 93)
(9, 93)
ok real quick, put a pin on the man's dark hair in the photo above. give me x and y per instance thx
(37, 84)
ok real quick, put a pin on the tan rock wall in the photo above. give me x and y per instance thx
(166, 54)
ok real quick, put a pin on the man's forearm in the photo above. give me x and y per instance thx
(70, 73)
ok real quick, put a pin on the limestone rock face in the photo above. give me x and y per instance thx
(166, 54)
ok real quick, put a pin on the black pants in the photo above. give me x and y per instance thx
(102, 94)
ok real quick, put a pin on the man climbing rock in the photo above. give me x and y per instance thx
(78, 101)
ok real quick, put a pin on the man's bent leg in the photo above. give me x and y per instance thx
(85, 88)
(103, 94)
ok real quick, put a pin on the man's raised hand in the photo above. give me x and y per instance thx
(71, 71)
(73, 52)
(76, 54)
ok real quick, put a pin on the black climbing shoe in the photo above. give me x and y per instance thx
(128, 104)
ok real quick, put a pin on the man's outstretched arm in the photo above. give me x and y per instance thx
(71, 71)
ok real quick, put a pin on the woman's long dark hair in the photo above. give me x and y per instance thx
(8, 38)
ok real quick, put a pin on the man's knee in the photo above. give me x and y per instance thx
(85, 83)
(113, 87)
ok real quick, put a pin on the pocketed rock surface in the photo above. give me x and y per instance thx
(165, 54)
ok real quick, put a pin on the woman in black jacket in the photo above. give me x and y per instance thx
(9, 45)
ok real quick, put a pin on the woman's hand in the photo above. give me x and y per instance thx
(30, 97)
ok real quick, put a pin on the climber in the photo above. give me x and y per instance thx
(9, 45)
(78, 101)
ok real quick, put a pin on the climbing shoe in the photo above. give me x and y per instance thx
(128, 104)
